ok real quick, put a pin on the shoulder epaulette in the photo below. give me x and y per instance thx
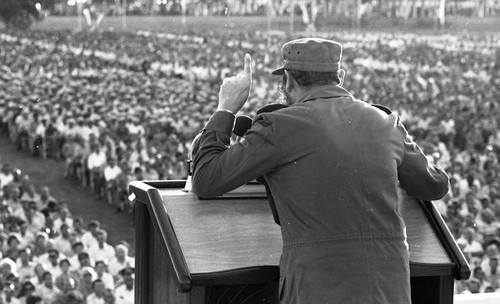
(383, 108)
(271, 108)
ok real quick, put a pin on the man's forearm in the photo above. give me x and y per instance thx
(214, 141)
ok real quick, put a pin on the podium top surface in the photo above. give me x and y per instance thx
(222, 234)
(239, 232)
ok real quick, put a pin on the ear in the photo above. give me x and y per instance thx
(341, 76)
(290, 82)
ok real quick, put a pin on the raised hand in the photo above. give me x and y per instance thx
(234, 90)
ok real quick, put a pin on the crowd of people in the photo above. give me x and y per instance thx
(117, 107)
(47, 255)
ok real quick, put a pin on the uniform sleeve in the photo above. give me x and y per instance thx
(219, 168)
(417, 175)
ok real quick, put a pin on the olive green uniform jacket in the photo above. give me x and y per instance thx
(333, 164)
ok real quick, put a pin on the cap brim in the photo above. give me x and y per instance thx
(279, 71)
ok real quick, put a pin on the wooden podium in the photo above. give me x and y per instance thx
(191, 251)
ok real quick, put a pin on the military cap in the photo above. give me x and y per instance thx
(310, 54)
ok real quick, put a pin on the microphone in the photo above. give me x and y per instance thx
(241, 126)
(189, 186)
(244, 122)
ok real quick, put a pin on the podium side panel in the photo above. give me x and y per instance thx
(142, 223)
(163, 282)
(154, 282)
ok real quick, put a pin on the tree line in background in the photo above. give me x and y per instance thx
(20, 13)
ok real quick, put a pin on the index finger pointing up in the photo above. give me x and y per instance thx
(248, 66)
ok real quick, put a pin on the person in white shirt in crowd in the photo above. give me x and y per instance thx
(74, 152)
(77, 248)
(84, 261)
(97, 295)
(46, 289)
(102, 251)
(12, 249)
(121, 261)
(45, 198)
(78, 228)
(134, 127)
(103, 274)
(14, 202)
(461, 183)
(111, 173)
(83, 129)
(63, 243)
(492, 274)
(26, 236)
(63, 217)
(38, 137)
(88, 238)
(6, 175)
(491, 250)
(87, 276)
(471, 247)
(95, 165)
(25, 266)
(487, 223)
(34, 218)
(124, 293)
(39, 247)
(69, 130)
(53, 264)
(66, 273)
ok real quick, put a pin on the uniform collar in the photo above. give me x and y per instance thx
(326, 91)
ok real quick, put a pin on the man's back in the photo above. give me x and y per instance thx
(336, 158)
(335, 188)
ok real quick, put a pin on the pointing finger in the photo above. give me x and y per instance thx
(248, 66)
